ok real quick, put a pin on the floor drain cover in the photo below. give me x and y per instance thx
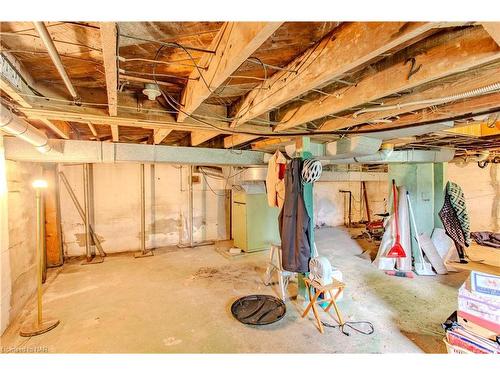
(258, 309)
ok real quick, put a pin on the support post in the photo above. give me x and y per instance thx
(191, 242)
(91, 257)
(152, 179)
(39, 326)
(144, 252)
(73, 197)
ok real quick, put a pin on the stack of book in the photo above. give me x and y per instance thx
(477, 328)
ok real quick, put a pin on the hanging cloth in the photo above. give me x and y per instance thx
(294, 222)
(457, 201)
(275, 181)
(450, 221)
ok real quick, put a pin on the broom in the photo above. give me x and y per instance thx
(396, 251)
(422, 267)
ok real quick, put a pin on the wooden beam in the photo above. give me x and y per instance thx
(61, 128)
(92, 129)
(493, 28)
(351, 46)
(108, 41)
(160, 135)
(461, 51)
(237, 139)
(474, 80)
(115, 133)
(270, 142)
(140, 118)
(235, 42)
(198, 137)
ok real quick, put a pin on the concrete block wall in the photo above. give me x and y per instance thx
(329, 203)
(18, 246)
(117, 207)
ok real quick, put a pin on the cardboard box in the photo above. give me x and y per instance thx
(485, 284)
(473, 324)
(479, 308)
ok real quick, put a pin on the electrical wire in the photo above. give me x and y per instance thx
(352, 325)
(7, 33)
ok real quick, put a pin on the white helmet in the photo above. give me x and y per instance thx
(311, 171)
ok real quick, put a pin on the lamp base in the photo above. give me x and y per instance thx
(33, 328)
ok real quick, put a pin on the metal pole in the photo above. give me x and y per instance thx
(143, 252)
(80, 211)
(86, 202)
(39, 326)
(190, 215)
(190, 204)
(143, 212)
(39, 256)
(56, 59)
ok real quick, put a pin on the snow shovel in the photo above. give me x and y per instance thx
(422, 267)
(396, 251)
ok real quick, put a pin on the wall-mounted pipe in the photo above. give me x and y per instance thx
(56, 59)
(15, 125)
(464, 95)
(475, 157)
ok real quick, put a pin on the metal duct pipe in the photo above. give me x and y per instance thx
(405, 156)
(15, 125)
(476, 157)
(56, 59)
(464, 95)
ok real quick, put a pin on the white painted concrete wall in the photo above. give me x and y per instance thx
(481, 188)
(5, 281)
(117, 208)
(18, 246)
(329, 203)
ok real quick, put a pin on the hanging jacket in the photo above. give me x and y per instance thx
(275, 183)
(294, 222)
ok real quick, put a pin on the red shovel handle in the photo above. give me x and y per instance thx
(395, 193)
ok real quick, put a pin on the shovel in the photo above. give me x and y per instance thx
(422, 267)
(396, 251)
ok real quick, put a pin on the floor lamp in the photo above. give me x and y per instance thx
(39, 326)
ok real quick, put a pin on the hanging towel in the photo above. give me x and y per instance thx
(275, 181)
(457, 201)
(294, 222)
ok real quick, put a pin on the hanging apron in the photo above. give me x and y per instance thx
(294, 222)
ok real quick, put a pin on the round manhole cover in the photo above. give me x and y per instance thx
(258, 309)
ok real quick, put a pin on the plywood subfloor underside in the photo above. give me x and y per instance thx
(178, 301)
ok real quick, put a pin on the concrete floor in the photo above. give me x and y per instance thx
(179, 302)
